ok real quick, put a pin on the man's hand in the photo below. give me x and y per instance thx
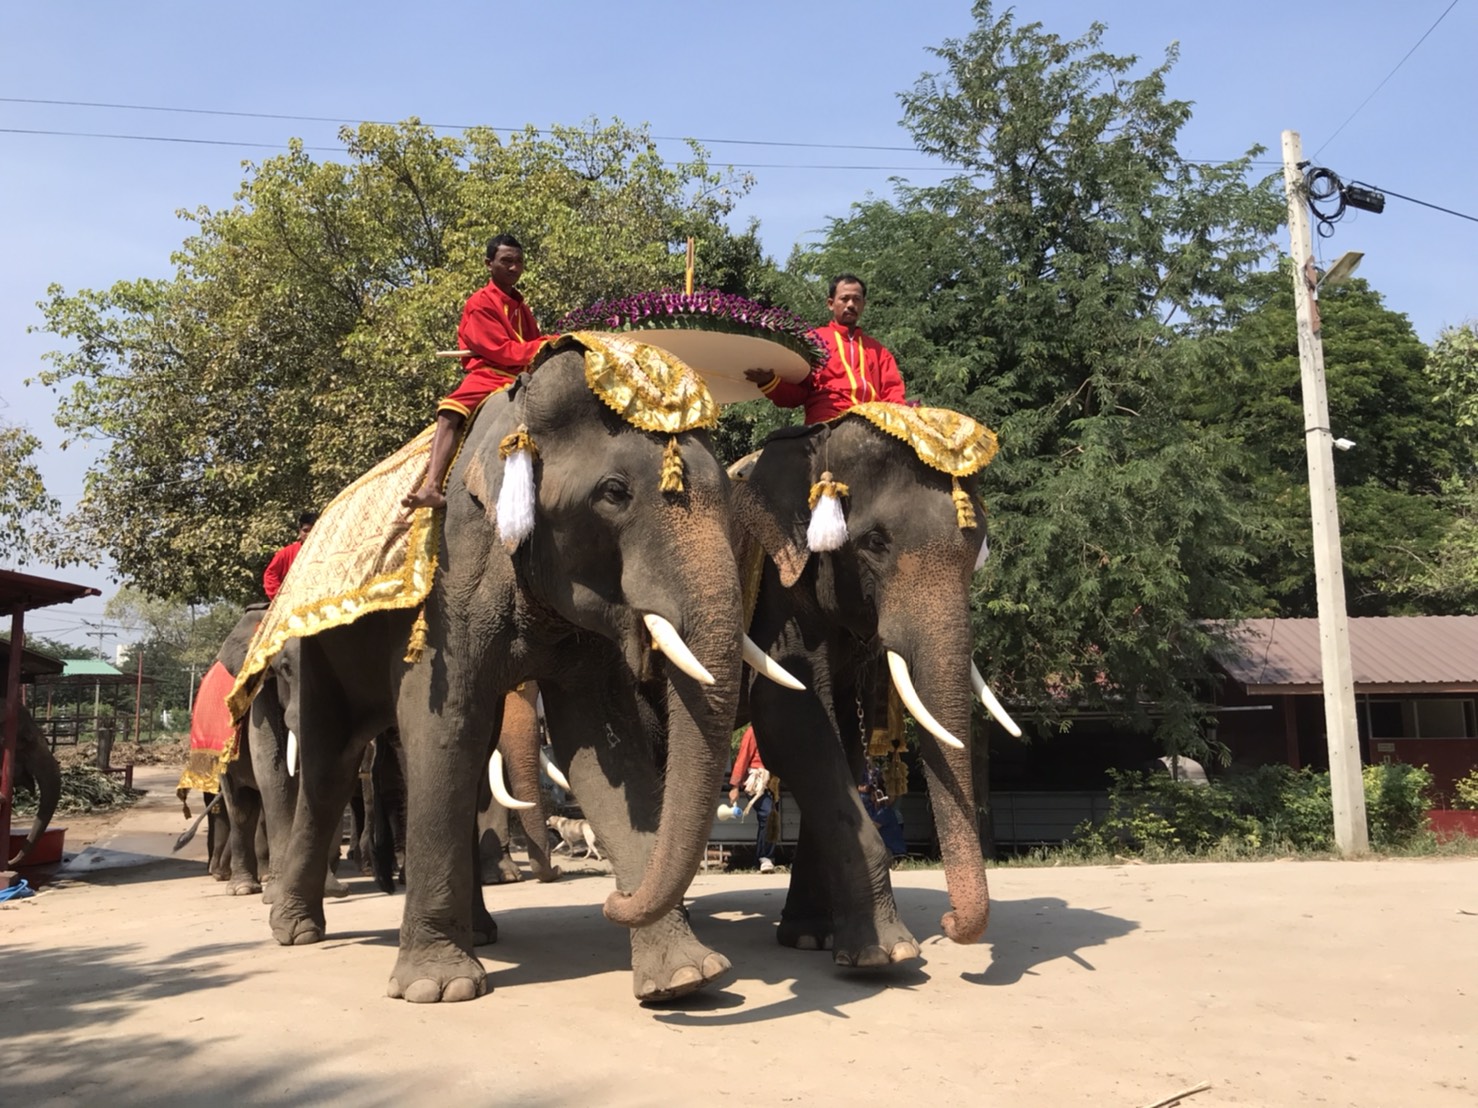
(734, 795)
(760, 377)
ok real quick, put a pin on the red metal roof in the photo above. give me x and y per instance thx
(1387, 653)
(37, 592)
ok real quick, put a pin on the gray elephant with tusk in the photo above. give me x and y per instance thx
(585, 545)
(880, 590)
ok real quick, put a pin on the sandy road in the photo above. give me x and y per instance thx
(1281, 984)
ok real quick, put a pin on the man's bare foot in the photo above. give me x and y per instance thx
(427, 496)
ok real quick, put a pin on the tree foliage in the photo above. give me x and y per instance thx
(1392, 518)
(176, 641)
(292, 348)
(24, 501)
(1074, 285)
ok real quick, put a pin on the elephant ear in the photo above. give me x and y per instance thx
(771, 504)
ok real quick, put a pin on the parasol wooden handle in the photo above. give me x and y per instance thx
(454, 353)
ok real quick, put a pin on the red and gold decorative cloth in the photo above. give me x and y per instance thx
(214, 738)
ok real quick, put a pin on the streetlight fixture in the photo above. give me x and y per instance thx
(1344, 266)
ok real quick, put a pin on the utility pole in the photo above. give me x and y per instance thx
(1345, 784)
(97, 689)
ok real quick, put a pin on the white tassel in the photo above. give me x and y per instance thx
(984, 553)
(516, 498)
(828, 527)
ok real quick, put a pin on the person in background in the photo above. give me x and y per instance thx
(750, 773)
(884, 815)
(282, 561)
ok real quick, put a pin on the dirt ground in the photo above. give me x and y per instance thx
(137, 980)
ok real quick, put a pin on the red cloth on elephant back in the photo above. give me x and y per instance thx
(213, 738)
(500, 330)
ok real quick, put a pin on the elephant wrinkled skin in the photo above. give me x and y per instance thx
(566, 608)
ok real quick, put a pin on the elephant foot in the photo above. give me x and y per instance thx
(332, 886)
(507, 873)
(484, 927)
(805, 934)
(443, 973)
(668, 961)
(245, 886)
(221, 874)
(875, 945)
(295, 928)
(548, 874)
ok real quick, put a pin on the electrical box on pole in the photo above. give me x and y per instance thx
(1345, 784)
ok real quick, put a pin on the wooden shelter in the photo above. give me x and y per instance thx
(19, 594)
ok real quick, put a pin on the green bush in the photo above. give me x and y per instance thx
(1396, 802)
(1465, 792)
(1272, 809)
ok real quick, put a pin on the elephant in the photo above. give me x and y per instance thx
(35, 765)
(379, 832)
(613, 582)
(258, 801)
(898, 586)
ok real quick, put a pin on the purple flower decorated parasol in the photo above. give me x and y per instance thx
(718, 334)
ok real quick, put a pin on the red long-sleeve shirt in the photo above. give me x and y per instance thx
(499, 329)
(748, 759)
(277, 568)
(860, 369)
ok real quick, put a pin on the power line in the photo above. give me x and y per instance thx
(1414, 200)
(435, 126)
(339, 149)
(1382, 85)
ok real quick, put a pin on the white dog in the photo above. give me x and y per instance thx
(574, 832)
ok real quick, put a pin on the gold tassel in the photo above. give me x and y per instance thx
(672, 467)
(964, 510)
(518, 440)
(417, 643)
(827, 486)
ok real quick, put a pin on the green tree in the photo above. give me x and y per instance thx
(1073, 286)
(24, 503)
(1392, 518)
(177, 641)
(292, 347)
(1452, 367)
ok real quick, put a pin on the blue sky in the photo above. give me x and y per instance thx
(84, 212)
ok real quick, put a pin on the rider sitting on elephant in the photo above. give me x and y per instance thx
(282, 561)
(499, 330)
(859, 368)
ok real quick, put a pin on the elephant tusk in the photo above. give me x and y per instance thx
(553, 770)
(500, 790)
(904, 684)
(992, 705)
(765, 665)
(666, 639)
(292, 753)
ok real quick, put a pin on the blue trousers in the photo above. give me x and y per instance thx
(763, 848)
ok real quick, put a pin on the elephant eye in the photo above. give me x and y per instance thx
(874, 541)
(613, 490)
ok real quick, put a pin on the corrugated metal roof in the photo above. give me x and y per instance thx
(88, 667)
(1387, 653)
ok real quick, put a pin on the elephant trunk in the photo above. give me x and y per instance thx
(700, 720)
(939, 664)
(48, 775)
(519, 743)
